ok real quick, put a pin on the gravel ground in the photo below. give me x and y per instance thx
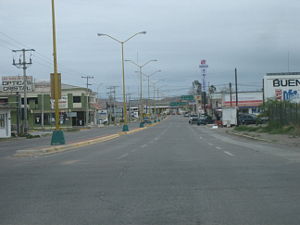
(280, 139)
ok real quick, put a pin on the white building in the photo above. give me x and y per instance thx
(248, 101)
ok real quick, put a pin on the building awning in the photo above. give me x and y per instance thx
(251, 103)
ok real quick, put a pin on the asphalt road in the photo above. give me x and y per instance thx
(9, 147)
(172, 173)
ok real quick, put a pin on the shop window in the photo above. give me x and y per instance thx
(38, 119)
(30, 99)
(2, 120)
(76, 99)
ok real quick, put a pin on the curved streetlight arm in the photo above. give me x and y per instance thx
(115, 39)
(152, 60)
(155, 82)
(157, 71)
(143, 32)
(134, 63)
(141, 66)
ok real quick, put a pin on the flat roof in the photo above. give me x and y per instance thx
(283, 73)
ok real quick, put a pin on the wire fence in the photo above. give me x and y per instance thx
(284, 113)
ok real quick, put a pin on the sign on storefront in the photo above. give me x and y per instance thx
(16, 84)
(62, 103)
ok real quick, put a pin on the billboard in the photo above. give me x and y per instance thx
(16, 84)
(282, 87)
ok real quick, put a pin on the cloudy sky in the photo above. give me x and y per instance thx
(256, 36)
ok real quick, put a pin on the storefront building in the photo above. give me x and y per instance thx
(74, 104)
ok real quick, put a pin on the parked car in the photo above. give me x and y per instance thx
(205, 119)
(187, 114)
(193, 116)
(194, 120)
(246, 119)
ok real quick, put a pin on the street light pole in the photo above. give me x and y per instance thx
(141, 87)
(125, 126)
(155, 99)
(148, 78)
(58, 135)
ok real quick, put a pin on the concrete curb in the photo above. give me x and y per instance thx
(62, 148)
(248, 136)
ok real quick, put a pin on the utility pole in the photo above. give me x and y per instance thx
(158, 105)
(87, 98)
(236, 98)
(230, 93)
(23, 64)
(128, 99)
(263, 93)
(108, 106)
(43, 112)
(18, 112)
(112, 95)
(154, 97)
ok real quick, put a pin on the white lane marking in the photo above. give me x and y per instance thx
(123, 156)
(210, 144)
(69, 162)
(156, 139)
(201, 137)
(228, 153)
(144, 146)
(217, 147)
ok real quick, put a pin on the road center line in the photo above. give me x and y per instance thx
(123, 156)
(217, 147)
(211, 144)
(228, 153)
(144, 146)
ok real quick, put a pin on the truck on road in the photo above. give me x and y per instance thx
(229, 116)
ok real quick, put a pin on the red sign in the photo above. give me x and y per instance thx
(203, 62)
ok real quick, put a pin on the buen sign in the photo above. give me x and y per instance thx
(282, 86)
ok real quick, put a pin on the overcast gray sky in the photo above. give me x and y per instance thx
(253, 35)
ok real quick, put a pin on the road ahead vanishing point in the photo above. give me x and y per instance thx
(172, 173)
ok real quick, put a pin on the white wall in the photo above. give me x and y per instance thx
(5, 129)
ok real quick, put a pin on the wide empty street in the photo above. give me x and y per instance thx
(171, 173)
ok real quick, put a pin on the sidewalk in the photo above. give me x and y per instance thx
(279, 139)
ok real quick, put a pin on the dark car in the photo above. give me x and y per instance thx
(192, 116)
(193, 120)
(246, 119)
(205, 119)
